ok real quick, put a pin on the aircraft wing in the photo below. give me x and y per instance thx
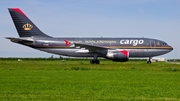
(94, 48)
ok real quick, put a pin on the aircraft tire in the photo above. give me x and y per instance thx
(148, 62)
(97, 62)
(92, 62)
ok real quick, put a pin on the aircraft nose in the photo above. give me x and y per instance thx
(171, 48)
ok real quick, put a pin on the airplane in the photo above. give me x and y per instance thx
(115, 49)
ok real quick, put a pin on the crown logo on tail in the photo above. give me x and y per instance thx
(27, 27)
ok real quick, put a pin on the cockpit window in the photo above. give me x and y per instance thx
(164, 44)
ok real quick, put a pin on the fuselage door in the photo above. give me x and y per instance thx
(152, 44)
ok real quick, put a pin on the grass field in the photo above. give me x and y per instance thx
(79, 81)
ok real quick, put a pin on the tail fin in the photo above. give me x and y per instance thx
(24, 26)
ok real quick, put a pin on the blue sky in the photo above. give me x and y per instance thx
(159, 19)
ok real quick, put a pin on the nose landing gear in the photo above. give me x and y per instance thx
(149, 60)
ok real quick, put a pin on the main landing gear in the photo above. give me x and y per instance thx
(149, 60)
(95, 60)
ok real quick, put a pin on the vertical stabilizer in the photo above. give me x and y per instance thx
(24, 26)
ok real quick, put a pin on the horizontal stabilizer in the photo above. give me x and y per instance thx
(21, 40)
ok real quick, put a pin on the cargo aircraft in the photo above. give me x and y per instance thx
(115, 49)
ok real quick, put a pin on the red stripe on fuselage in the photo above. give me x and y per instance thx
(19, 11)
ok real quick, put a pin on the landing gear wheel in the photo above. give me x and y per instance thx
(94, 62)
(148, 62)
(97, 61)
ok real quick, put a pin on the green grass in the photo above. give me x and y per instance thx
(80, 81)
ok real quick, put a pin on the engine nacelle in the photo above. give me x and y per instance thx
(119, 56)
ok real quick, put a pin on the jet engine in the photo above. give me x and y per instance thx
(119, 56)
